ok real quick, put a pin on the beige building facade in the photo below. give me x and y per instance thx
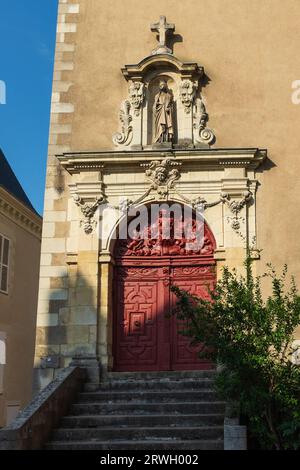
(20, 244)
(231, 76)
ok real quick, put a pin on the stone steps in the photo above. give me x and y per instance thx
(174, 375)
(145, 411)
(171, 420)
(160, 444)
(138, 433)
(147, 408)
(159, 384)
(145, 395)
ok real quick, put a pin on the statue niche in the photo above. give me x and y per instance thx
(161, 111)
(163, 115)
(164, 106)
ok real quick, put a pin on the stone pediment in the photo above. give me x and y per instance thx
(189, 70)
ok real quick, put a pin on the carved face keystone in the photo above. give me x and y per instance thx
(161, 175)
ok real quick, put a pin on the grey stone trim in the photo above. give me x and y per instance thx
(235, 435)
(32, 427)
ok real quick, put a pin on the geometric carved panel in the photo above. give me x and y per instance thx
(144, 337)
(136, 325)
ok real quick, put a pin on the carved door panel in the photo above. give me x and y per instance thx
(197, 281)
(145, 337)
(139, 322)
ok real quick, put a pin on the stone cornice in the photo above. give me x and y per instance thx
(20, 214)
(206, 159)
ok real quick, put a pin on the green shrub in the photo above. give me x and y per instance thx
(251, 340)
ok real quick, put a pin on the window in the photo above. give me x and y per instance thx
(12, 410)
(4, 260)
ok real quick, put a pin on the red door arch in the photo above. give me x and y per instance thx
(145, 339)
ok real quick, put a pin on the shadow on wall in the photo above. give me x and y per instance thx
(266, 165)
(69, 327)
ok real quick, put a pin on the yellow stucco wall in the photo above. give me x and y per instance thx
(18, 313)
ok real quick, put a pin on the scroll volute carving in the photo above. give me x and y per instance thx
(124, 135)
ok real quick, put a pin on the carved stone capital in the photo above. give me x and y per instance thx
(236, 207)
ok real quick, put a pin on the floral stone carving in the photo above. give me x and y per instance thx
(236, 207)
(88, 210)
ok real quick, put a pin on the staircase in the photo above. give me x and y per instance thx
(145, 411)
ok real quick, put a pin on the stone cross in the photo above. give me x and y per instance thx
(162, 28)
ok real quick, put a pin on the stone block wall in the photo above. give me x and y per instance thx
(67, 307)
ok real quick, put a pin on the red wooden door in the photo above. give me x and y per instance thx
(139, 319)
(145, 337)
(197, 280)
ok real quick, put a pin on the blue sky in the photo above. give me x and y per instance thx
(27, 43)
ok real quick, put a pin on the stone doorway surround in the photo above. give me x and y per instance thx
(221, 181)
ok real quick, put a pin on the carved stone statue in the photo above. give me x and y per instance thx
(163, 130)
